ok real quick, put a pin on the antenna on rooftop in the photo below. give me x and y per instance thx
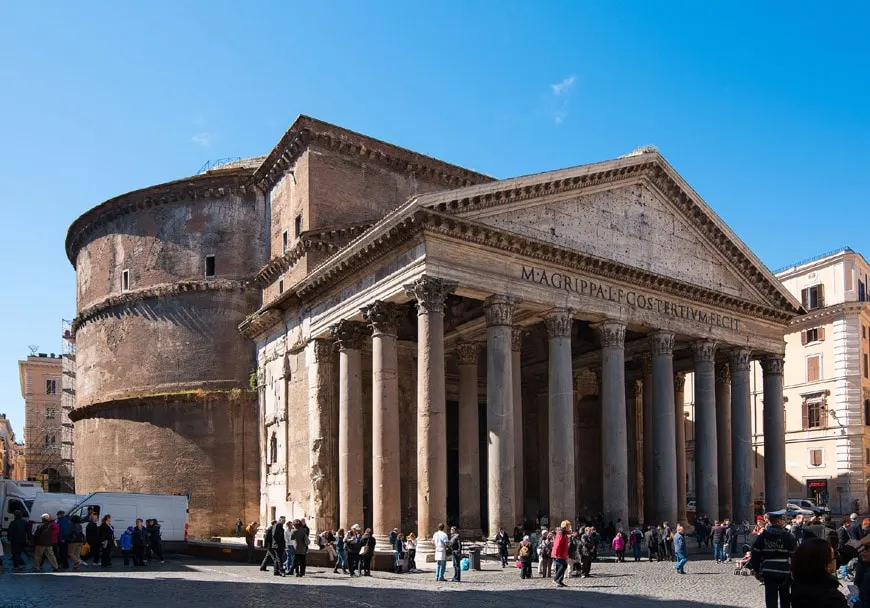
(33, 348)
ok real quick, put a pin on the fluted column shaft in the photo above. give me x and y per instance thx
(723, 439)
(517, 381)
(499, 414)
(322, 443)
(706, 472)
(350, 335)
(469, 448)
(741, 435)
(543, 411)
(775, 488)
(664, 495)
(430, 294)
(386, 497)
(680, 436)
(614, 434)
(648, 442)
(562, 490)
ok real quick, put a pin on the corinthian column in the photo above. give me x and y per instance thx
(469, 447)
(664, 496)
(648, 442)
(741, 435)
(322, 456)
(706, 471)
(680, 434)
(430, 294)
(386, 497)
(517, 381)
(562, 492)
(775, 488)
(350, 335)
(500, 413)
(723, 439)
(614, 435)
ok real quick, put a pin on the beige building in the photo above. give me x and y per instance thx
(826, 386)
(41, 386)
(7, 448)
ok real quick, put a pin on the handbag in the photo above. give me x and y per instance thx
(364, 550)
(86, 549)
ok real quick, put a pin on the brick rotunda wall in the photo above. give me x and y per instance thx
(162, 388)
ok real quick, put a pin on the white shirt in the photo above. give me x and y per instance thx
(440, 539)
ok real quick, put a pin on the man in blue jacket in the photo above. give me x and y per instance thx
(61, 548)
(680, 550)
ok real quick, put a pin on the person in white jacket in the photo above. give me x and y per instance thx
(440, 540)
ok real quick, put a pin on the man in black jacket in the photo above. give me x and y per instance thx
(138, 543)
(279, 545)
(771, 555)
(267, 544)
(18, 536)
(92, 536)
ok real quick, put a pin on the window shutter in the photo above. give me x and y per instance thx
(821, 334)
(805, 423)
(805, 296)
(813, 369)
(804, 337)
(821, 295)
(823, 415)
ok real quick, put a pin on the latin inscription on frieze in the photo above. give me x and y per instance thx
(629, 297)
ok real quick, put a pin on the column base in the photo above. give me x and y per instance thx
(471, 535)
(425, 551)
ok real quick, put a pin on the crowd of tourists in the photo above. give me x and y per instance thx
(66, 542)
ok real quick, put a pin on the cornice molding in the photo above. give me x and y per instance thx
(205, 186)
(128, 298)
(190, 397)
(822, 314)
(307, 131)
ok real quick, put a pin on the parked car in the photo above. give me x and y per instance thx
(792, 509)
(810, 505)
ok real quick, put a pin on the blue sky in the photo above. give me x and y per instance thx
(763, 110)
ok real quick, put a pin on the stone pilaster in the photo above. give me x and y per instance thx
(741, 435)
(500, 413)
(559, 323)
(680, 436)
(775, 488)
(430, 294)
(467, 354)
(706, 471)
(723, 441)
(322, 444)
(647, 438)
(614, 434)
(386, 497)
(664, 505)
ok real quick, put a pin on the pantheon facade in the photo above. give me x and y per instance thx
(435, 345)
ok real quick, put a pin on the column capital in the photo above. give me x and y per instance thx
(384, 317)
(349, 334)
(741, 359)
(499, 310)
(661, 343)
(680, 382)
(559, 323)
(772, 365)
(430, 293)
(723, 373)
(704, 351)
(468, 352)
(611, 333)
(517, 336)
(321, 349)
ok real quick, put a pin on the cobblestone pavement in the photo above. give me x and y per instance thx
(194, 583)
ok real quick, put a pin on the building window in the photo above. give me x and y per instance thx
(866, 412)
(273, 449)
(50, 413)
(209, 267)
(866, 455)
(813, 297)
(815, 414)
(862, 292)
(866, 372)
(814, 334)
(50, 440)
(864, 332)
(814, 368)
(51, 387)
(125, 280)
(285, 238)
(816, 457)
(280, 287)
(298, 225)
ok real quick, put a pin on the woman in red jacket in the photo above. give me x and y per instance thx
(560, 552)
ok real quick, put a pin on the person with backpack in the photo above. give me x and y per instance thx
(525, 557)
(454, 549)
(652, 543)
(545, 554)
(74, 539)
(61, 547)
(635, 541)
(43, 546)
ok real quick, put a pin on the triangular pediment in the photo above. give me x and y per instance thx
(635, 211)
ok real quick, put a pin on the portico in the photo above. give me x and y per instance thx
(616, 272)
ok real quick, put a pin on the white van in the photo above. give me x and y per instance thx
(125, 508)
(52, 502)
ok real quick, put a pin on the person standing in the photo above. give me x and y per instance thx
(290, 550)
(718, 542)
(730, 546)
(400, 554)
(587, 552)
(107, 541)
(239, 525)
(560, 553)
(353, 546)
(250, 538)
(454, 545)
(279, 546)
(503, 542)
(411, 546)
(545, 554)
(340, 555)
(267, 545)
(771, 555)
(680, 551)
(139, 542)
(667, 540)
(155, 538)
(525, 555)
(75, 538)
(367, 551)
(618, 545)
(18, 535)
(125, 541)
(63, 525)
(299, 540)
(636, 539)
(42, 537)
(440, 539)
(652, 543)
(854, 527)
(92, 537)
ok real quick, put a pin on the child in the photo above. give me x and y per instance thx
(619, 546)
(126, 542)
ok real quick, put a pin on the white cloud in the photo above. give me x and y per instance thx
(203, 139)
(565, 86)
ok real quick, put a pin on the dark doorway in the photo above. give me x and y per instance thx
(452, 463)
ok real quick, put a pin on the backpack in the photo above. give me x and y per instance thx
(75, 534)
(546, 548)
(524, 551)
